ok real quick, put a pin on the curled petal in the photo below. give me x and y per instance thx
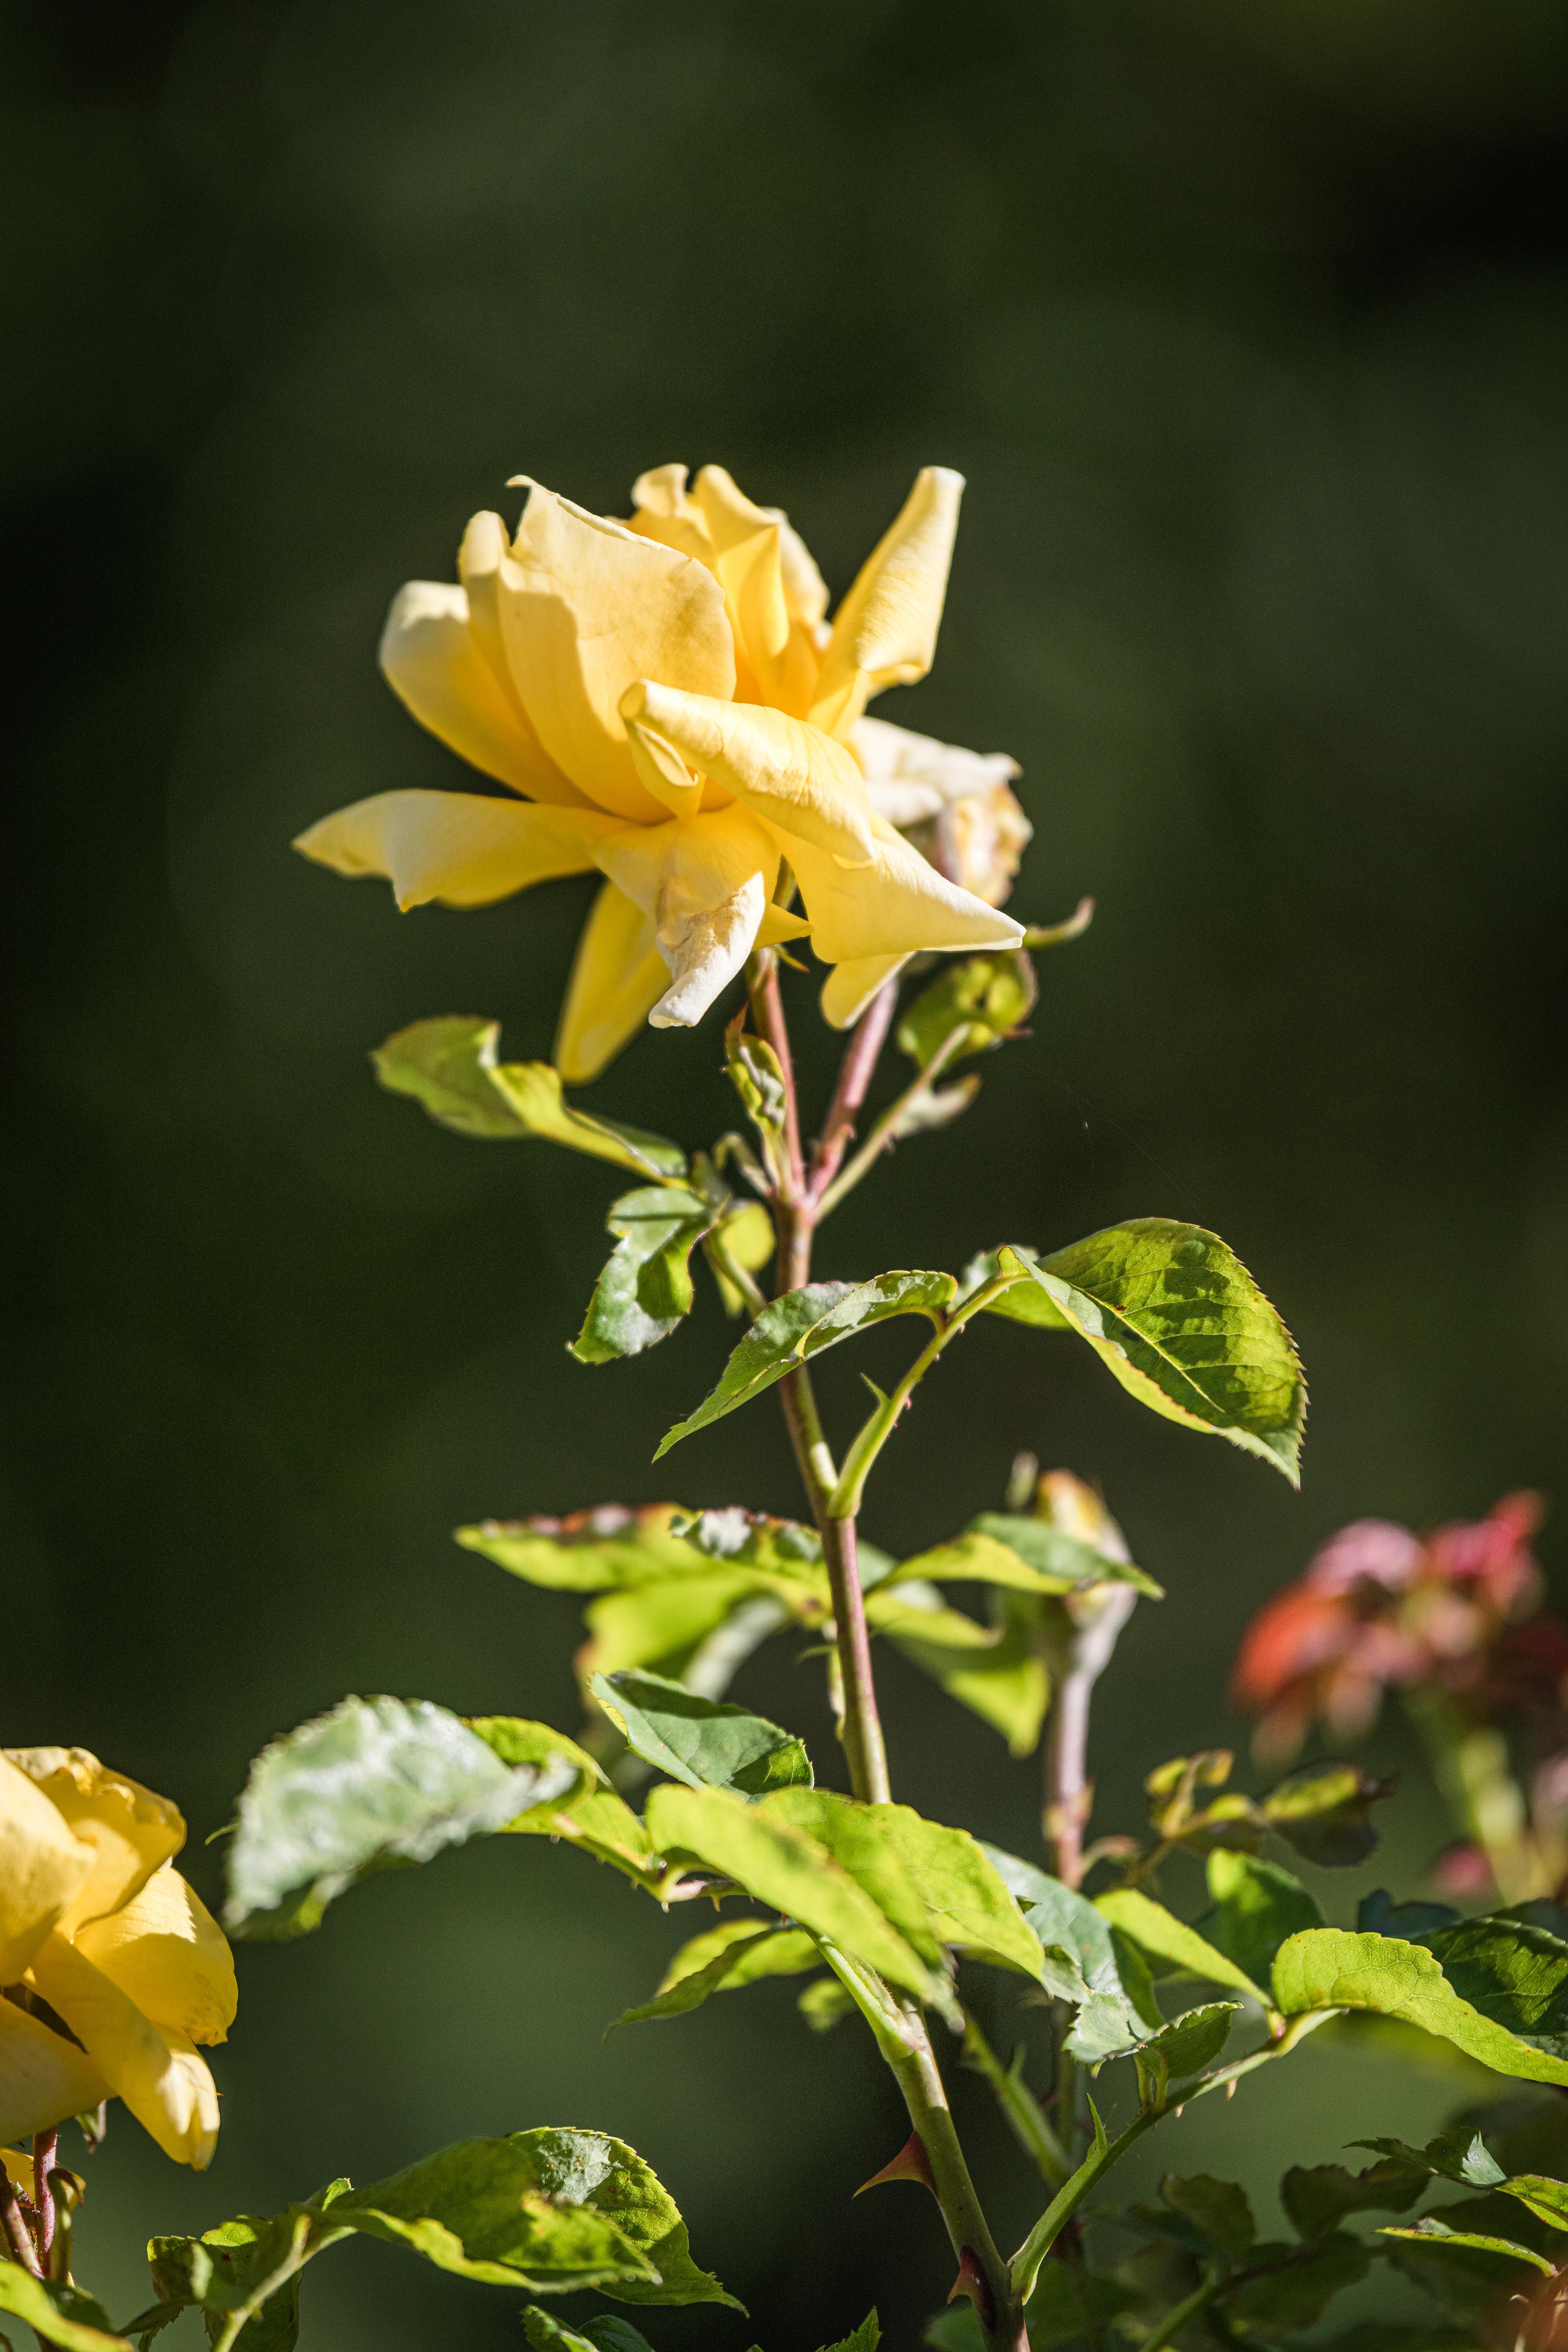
(432, 657)
(130, 1830)
(167, 1951)
(666, 511)
(781, 768)
(617, 977)
(912, 778)
(153, 2069)
(587, 607)
(706, 881)
(44, 2077)
(461, 847)
(778, 649)
(895, 906)
(884, 633)
(42, 1868)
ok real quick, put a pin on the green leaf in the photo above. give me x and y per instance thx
(1514, 1974)
(787, 1869)
(1325, 1813)
(864, 2338)
(956, 2329)
(1316, 2198)
(250, 2263)
(1079, 1949)
(1470, 2282)
(56, 2312)
(825, 2004)
(737, 1952)
(646, 1288)
(1219, 2209)
(1054, 2312)
(1378, 1914)
(1546, 2198)
(449, 1064)
(966, 1903)
(745, 1235)
(375, 1782)
(1462, 2156)
(704, 1742)
(995, 1671)
(983, 997)
(517, 1741)
(1177, 1319)
(590, 1815)
(804, 1322)
(550, 2210)
(659, 1627)
(1157, 1931)
(1429, 2231)
(1297, 2288)
(1186, 2045)
(590, 1552)
(1026, 1554)
(1256, 1906)
(1329, 1968)
(604, 2333)
(861, 1842)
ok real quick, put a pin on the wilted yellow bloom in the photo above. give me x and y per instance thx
(101, 1939)
(668, 703)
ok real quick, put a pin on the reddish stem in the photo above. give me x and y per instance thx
(767, 1013)
(854, 1079)
(43, 2147)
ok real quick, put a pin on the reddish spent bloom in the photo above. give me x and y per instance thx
(1381, 1607)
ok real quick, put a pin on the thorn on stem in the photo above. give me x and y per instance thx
(911, 2163)
(973, 2282)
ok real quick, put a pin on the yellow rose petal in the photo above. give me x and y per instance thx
(43, 2078)
(793, 775)
(431, 658)
(155, 2070)
(459, 847)
(896, 905)
(778, 649)
(666, 511)
(587, 607)
(167, 1951)
(617, 977)
(884, 633)
(130, 1830)
(849, 987)
(42, 1868)
(706, 881)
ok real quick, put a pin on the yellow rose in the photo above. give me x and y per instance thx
(665, 699)
(101, 1939)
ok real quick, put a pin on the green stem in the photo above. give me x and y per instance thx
(294, 2260)
(1025, 2266)
(1019, 2105)
(874, 1435)
(926, 2099)
(1170, 2327)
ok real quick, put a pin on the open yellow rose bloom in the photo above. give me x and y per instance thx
(668, 704)
(112, 1970)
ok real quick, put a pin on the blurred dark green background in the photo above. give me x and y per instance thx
(1250, 327)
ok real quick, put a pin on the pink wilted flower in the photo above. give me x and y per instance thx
(1381, 1607)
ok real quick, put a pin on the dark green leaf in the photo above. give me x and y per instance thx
(1177, 1319)
(645, 1286)
(1462, 2156)
(804, 1322)
(605, 2333)
(984, 998)
(1319, 2196)
(1546, 2198)
(739, 1952)
(1256, 1906)
(1471, 2283)
(1068, 1926)
(1515, 1975)
(1325, 1813)
(1385, 2335)
(787, 1869)
(1189, 2042)
(948, 1873)
(374, 1782)
(1328, 1967)
(705, 1742)
(1429, 2231)
(1219, 2209)
(1378, 1914)
(956, 2329)
(56, 2313)
(1056, 2311)
(1299, 2289)
(864, 2338)
(451, 1066)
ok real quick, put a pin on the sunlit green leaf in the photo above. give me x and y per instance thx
(787, 1869)
(645, 1286)
(1178, 1320)
(824, 2004)
(1461, 2156)
(995, 1671)
(1158, 1932)
(1470, 2282)
(516, 1740)
(590, 1552)
(947, 1871)
(745, 1235)
(737, 1952)
(1028, 1555)
(704, 1742)
(1329, 1968)
(56, 2312)
(374, 1783)
(1325, 1812)
(983, 997)
(1430, 2231)
(1546, 2198)
(1256, 1906)
(864, 2338)
(1515, 1975)
(1218, 2208)
(451, 1066)
(659, 1627)
(803, 1324)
